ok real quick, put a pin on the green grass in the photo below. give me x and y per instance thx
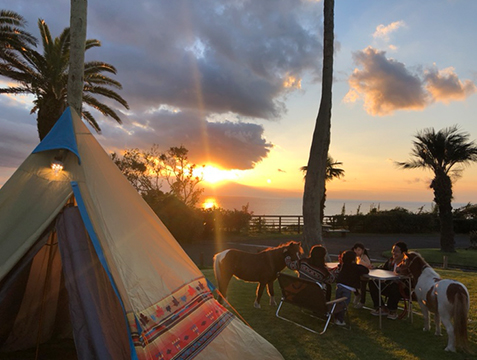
(398, 339)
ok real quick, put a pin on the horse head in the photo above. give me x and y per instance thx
(293, 249)
(412, 265)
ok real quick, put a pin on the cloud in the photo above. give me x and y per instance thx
(201, 59)
(383, 31)
(384, 84)
(387, 85)
(445, 86)
(231, 145)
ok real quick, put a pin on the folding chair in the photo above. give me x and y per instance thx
(310, 296)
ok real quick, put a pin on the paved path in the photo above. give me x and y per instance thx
(202, 253)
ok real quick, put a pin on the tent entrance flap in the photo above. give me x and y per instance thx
(99, 327)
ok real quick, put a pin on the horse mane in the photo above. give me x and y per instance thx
(415, 256)
(281, 246)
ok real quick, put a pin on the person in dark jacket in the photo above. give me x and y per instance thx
(348, 281)
(313, 268)
(391, 289)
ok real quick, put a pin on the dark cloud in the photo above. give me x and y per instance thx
(231, 145)
(202, 57)
(387, 85)
(19, 134)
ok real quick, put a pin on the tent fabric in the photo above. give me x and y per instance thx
(169, 310)
(62, 137)
(91, 297)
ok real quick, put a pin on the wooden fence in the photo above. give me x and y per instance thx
(293, 224)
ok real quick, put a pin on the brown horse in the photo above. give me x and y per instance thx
(447, 299)
(259, 267)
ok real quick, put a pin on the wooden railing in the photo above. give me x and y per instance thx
(294, 224)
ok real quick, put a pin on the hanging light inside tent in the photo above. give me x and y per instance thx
(57, 165)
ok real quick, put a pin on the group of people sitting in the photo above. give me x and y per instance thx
(348, 275)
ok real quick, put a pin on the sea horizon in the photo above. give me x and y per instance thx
(293, 205)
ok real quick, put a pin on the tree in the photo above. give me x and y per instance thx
(181, 176)
(445, 153)
(146, 170)
(12, 34)
(46, 77)
(316, 168)
(78, 21)
(332, 172)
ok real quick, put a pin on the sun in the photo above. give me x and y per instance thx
(212, 174)
(210, 203)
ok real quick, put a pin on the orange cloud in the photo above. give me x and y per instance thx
(384, 84)
(445, 86)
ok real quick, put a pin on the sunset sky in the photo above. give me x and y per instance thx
(238, 84)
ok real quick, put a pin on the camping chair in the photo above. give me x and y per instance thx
(309, 296)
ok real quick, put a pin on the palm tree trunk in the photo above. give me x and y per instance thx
(77, 48)
(442, 186)
(48, 113)
(316, 173)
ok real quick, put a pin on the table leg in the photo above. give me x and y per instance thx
(380, 307)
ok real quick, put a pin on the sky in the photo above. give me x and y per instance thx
(238, 83)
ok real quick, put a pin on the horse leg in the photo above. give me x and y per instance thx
(437, 322)
(425, 314)
(271, 293)
(223, 285)
(259, 294)
(450, 332)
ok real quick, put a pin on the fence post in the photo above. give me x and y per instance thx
(299, 228)
(445, 261)
(279, 224)
(259, 224)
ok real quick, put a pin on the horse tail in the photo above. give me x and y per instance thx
(461, 309)
(221, 285)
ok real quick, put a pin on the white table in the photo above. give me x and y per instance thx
(379, 276)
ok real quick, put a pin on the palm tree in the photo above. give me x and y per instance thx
(444, 153)
(12, 33)
(332, 172)
(315, 184)
(46, 77)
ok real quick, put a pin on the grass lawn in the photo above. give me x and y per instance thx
(399, 339)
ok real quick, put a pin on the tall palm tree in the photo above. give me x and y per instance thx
(332, 172)
(46, 77)
(315, 184)
(12, 33)
(444, 153)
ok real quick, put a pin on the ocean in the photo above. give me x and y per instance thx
(293, 206)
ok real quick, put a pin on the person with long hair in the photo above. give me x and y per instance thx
(348, 281)
(391, 289)
(362, 258)
(313, 268)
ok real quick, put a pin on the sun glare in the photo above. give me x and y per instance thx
(210, 203)
(213, 175)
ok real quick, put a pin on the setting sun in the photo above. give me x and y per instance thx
(210, 203)
(212, 174)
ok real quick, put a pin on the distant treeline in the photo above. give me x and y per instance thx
(191, 224)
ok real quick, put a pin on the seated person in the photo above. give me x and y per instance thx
(312, 268)
(348, 281)
(362, 258)
(391, 288)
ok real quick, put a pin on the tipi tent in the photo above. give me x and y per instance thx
(81, 253)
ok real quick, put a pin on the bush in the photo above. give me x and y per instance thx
(397, 220)
(185, 224)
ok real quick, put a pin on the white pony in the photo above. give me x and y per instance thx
(447, 299)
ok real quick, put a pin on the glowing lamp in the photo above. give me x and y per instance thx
(57, 166)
